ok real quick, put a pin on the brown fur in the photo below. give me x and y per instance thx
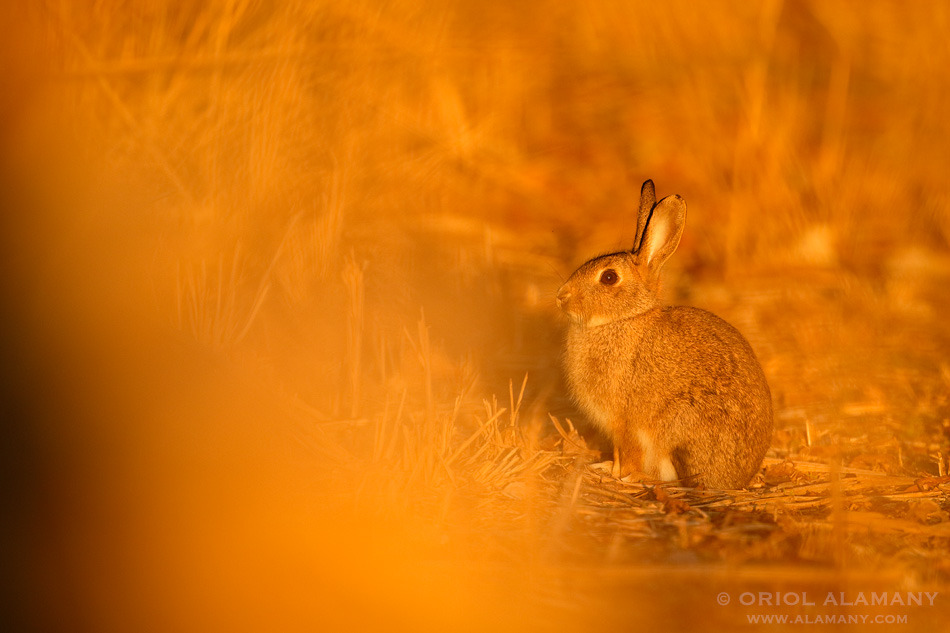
(678, 389)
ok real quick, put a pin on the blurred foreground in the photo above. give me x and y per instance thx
(281, 350)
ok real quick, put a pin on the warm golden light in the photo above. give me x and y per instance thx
(280, 336)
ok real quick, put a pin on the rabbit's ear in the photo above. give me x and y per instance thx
(663, 232)
(647, 200)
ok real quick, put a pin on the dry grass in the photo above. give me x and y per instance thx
(283, 353)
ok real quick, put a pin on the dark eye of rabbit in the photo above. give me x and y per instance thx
(609, 277)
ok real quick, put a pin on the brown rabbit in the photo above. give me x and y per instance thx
(678, 389)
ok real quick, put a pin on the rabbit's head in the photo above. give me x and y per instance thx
(622, 285)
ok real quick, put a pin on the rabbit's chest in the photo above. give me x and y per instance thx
(598, 368)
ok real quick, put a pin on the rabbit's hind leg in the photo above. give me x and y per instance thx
(657, 462)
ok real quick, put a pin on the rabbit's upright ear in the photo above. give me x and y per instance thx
(647, 200)
(663, 232)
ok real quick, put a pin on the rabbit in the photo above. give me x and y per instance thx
(679, 391)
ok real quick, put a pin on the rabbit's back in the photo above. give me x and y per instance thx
(692, 351)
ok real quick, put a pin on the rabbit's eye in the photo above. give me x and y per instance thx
(609, 277)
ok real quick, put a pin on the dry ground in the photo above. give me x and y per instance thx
(281, 345)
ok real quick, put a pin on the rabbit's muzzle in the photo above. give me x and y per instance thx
(563, 297)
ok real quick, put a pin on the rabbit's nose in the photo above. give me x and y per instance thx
(563, 296)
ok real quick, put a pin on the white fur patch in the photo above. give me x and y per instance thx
(667, 472)
(658, 466)
(594, 321)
